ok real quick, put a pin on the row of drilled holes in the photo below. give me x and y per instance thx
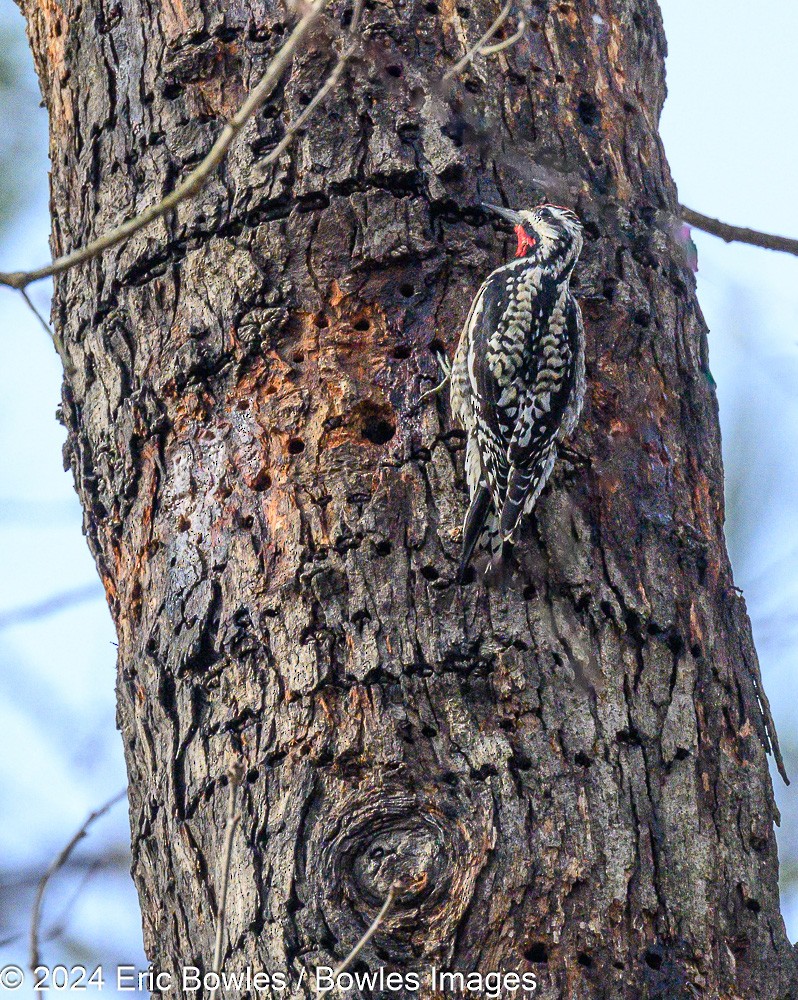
(538, 954)
(406, 290)
(377, 430)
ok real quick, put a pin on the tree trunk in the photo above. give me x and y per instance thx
(565, 775)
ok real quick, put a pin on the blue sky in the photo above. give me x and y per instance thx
(729, 128)
(731, 135)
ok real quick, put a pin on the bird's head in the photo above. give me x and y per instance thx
(546, 232)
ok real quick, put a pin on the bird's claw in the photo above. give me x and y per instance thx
(446, 368)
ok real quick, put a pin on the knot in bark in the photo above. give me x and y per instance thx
(426, 845)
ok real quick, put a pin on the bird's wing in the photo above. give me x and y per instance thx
(542, 411)
(554, 355)
(496, 371)
(576, 337)
(471, 401)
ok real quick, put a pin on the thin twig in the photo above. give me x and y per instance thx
(372, 930)
(50, 605)
(59, 923)
(235, 775)
(318, 97)
(364, 940)
(198, 176)
(115, 859)
(329, 84)
(52, 334)
(518, 34)
(45, 325)
(357, 10)
(476, 49)
(56, 865)
(738, 234)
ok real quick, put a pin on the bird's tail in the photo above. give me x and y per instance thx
(480, 527)
(523, 488)
(519, 487)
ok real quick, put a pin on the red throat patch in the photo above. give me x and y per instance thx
(525, 241)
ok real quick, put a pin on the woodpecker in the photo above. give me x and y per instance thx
(517, 381)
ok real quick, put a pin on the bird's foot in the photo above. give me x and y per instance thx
(576, 459)
(446, 370)
(433, 391)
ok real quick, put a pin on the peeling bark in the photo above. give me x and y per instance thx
(567, 776)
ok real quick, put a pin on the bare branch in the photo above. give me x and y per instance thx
(478, 48)
(198, 176)
(50, 605)
(235, 775)
(112, 861)
(55, 866)
(318, 97)
(738, 234)
(372, 930)
(367, 936)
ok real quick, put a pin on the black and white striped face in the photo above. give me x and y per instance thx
(556, 232)
(549, 233)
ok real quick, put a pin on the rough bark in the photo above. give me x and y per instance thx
(567, 775)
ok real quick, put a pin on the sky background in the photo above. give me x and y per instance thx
(729, 128)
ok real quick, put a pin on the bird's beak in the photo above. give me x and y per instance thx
(505, 213)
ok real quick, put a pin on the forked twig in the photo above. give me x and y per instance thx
(478, 47)
(198, 176)
(235, 776)
(518, 34)
(56, 865)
